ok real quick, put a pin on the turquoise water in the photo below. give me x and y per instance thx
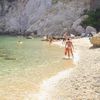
(25, 63)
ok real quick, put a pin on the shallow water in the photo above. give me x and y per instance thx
(25, 64)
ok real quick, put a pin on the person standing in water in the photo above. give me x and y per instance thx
(69, 48)
(50, 40)
(65, 36)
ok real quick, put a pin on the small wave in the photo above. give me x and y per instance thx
(47, 86)
(51, 83)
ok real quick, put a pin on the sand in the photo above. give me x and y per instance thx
(79, 83)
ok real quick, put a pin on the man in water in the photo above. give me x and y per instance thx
(65, 36)
(69, 48)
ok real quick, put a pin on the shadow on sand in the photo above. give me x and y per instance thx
(94, 47)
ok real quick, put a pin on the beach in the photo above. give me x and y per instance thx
(64, 79)
(79, 83)
(25, 64)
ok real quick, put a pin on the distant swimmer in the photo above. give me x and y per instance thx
(19, 42)
(69, 48)
(65, 36)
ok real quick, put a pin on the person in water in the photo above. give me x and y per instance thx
(65, 36)
(69, 48)
(50, 40)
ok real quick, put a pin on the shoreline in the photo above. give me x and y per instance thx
(82, 83)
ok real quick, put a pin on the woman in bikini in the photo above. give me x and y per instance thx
(69, 48)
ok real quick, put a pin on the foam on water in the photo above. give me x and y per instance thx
(76, 57)
(48, 85)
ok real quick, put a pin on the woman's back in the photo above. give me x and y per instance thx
(68, 44)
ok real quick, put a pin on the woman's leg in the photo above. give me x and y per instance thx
(68, 52)
(71, 51)
(65, 51)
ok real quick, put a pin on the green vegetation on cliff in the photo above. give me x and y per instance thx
(93, 19)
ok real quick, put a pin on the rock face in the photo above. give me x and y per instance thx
(77, 25)
(59, 18)
(95, 40)
(20, 16)
(95, 4)
(78, 22)
(80, 29)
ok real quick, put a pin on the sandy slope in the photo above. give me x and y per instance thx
(80, 83)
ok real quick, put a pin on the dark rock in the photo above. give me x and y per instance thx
(29, 37)
(3, 55)
(9, 58)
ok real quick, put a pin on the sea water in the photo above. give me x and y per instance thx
(25, 64)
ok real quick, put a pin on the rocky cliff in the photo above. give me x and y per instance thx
(21, 16)
(16, 16)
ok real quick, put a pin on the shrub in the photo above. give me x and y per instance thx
(93, 19)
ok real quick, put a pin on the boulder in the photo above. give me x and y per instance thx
(95, 40)
(90, 29)
(80, 29)
(29, 37)
(83, 34)
(78, 22)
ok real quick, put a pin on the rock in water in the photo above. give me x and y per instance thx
(2, 55)
(29, 37)
(8, 58)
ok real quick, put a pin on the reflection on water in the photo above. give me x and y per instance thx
(76, 57)
(25, 63)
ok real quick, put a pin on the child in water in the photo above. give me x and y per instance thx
(69, 48)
